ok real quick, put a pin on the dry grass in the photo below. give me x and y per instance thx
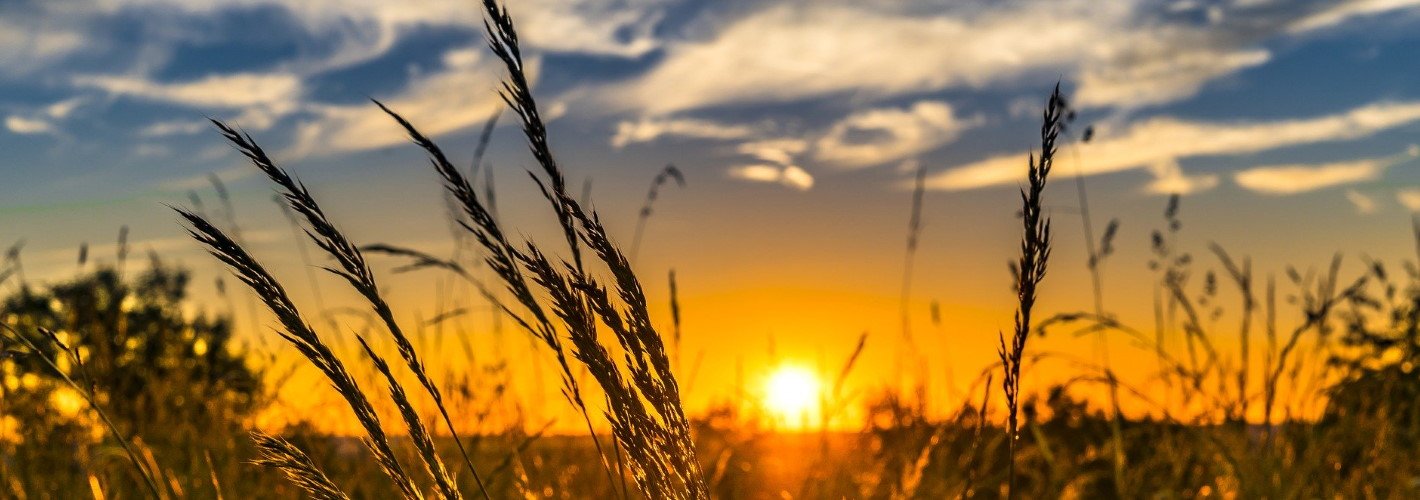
(581, 302)
(1029, 270)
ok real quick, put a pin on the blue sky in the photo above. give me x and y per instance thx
(808, 89)
(1290, 126)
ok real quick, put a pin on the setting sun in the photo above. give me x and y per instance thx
(791, 396)
(690, 250)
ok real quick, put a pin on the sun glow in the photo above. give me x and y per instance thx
(792, 396)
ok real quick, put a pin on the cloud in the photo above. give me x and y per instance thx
(622, 29)
(1340, 12)
(1122, 54)
(365, 29)
(1165, 75)
(62, 109)
(176, 127)
(28, 44)
(780, 151)
(232, 91)
(46, 119)
(1293, 179)
(882, 135)
(28, 126)
(777, 163)
(1169, 178)
(649, 129)
(1160, 140)
(440, 102)
(1410, 198)
(787, 175)
(797, 51)
(1364, 204)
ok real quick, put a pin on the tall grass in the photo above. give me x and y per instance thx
(1030, 269)
(355, 271)
(297, 332)
(142, 466)
(643, 398)
(644, 216)
(581, 302)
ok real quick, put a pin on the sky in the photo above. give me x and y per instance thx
(1288, 128)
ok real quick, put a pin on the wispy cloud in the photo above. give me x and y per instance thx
(1364, 204)
(648, 129)
(457, 96)
(26, 45)
(797, 51)
(1410, 198)
(787, 175)
(231, 91)
(1339, 12)
(45, 120)
(363, 28)
(776, 163)
(1293, 179)
(1164, 140)
(176, 127)
(28, 126)
(1169, 178)
(781, 151)
(882, 135)
(1122, 54)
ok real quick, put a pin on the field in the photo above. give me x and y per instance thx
(1259, 386)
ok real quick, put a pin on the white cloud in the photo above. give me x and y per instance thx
(28, 126)
(239, 90)
(62, 109)
(1293, 179)
(882, 135)
(649, 129)
(787, 175)
(1125, 54)
(27, 44)
(1364, 204)
(1169, 178)
(1160, 140)
(1160, 74)
(46, 119)
(176, 127)
(780, 151)
(778, 165)
(453, 98)
(367, 28)
(1339, 12)
(1410, 198)
(796, 51)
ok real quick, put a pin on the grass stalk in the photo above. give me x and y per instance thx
(644, 216)
(84, 392)
(1029, 270)
(356, 271)
(300, 335)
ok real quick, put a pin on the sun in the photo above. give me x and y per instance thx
(792, 396)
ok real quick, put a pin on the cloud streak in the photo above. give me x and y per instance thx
(230, 91)
(878, 136)
(650, 129)
(438, 103)
(1122, 54)
(1294, 179)
(1162, 140)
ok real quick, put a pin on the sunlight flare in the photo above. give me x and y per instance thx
(792, 396)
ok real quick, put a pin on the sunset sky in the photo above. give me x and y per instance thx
(1289, 127)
